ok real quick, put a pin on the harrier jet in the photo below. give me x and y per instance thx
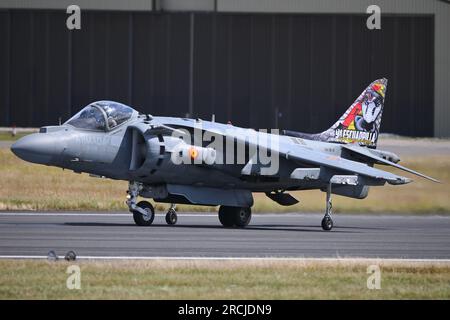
(192, 161)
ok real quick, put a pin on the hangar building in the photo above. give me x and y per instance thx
(292, 64)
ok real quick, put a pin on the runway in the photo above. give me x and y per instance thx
(201, 235)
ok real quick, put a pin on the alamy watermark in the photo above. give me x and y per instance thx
(73, 21)
(73, 281)
(374, 279)
(374, 20)
(258, 150)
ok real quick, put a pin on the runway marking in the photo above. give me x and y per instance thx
(75, 214)
(300, 259)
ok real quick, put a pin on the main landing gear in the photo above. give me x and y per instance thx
(143, 211)
(235, 216)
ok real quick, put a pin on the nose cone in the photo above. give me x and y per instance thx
(39, 148)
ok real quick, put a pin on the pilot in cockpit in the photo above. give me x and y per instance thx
(101, 115)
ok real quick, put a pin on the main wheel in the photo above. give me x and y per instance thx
(225, 216)
(327, 223)
(144, 220)
(171, 217)
(234, 216)
(242, 217)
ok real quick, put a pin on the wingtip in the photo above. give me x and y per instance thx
(430, 178)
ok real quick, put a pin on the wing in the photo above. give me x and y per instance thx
(303, 154)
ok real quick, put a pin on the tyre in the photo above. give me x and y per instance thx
(171, 217)
(70, 256)
(234, 216)
(327, 223)
(242, 217)
(226, 216)
(142, 220)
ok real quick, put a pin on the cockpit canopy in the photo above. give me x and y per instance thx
(101, 115)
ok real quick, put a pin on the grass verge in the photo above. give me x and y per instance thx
(195, 279)
(25, 186)
(6, 136)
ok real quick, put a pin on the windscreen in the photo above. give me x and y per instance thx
(89, 118)
(116, 113)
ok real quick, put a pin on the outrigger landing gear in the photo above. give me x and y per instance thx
(327, 222)
(171, 215)
(143, 212)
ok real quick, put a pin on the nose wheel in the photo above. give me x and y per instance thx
(143, 212)
(144, 219)
(171, 215)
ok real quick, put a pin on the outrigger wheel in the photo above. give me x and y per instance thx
(141, 219)
(235, 216)
(327, 222)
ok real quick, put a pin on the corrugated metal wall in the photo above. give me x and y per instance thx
(246, 66)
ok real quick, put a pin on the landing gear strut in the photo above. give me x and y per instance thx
(171, 215)
(327, 222)
(143, 212)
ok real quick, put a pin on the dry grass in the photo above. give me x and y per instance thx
(25, 186)
(202, 280)
(6, 136)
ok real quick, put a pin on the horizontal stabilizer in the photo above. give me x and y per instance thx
(341, 164)
(367, 153)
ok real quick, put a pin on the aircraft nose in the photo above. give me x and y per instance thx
(38, 148)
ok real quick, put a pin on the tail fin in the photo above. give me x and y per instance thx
(361, 122)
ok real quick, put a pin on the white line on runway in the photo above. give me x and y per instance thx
(107, 214)
(239, 259)
(63, 214)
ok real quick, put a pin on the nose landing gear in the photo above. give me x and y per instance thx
(143, 212)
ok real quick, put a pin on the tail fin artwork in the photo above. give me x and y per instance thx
(360, 123)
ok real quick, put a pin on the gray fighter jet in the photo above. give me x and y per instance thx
(192, 161)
